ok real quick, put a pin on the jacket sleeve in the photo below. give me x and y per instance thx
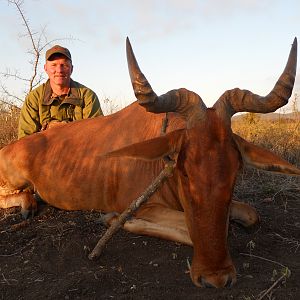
(91, 105)
(29, 121)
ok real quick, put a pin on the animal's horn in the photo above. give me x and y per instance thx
(237, 100)
(181, 100)
(141, 87)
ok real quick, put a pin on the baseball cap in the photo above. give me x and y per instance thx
(57, 49)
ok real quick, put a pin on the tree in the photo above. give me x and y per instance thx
(38, 42)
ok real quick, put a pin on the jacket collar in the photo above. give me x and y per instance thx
(71, 98)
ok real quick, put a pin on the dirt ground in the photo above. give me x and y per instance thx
(46, 257)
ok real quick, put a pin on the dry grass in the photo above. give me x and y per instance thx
(261, 189)
(280, 136)
(9, 117)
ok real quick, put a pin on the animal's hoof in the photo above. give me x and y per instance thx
(108, 219)
(249, 229)
(37, 197)
(252, 228)
(28, 212)
(25, 213)
(28, 205)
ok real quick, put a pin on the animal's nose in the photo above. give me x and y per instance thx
(227, 283)
(206, 284)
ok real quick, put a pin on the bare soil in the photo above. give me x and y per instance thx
(46, 256)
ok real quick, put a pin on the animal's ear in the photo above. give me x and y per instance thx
(167, 145)
(260, 158)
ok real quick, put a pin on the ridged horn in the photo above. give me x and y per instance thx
(236, 100)
(141, 87)
(182, 101)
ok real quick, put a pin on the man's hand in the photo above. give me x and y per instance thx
(54, 124)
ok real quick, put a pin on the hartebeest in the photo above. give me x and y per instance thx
(104, 163)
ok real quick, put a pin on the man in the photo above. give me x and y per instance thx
(60, 99)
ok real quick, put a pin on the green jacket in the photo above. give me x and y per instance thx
(41, 107)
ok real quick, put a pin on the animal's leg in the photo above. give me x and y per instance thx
(244, 214)
(23, 199)
(170, 224)
(159, 222)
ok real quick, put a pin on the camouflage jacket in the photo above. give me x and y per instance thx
(42, 106)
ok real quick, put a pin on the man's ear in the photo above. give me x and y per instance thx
(260, 158)
(169, 144)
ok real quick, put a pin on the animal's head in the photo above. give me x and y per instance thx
(209, 158)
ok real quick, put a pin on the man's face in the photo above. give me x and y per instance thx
(59, 70)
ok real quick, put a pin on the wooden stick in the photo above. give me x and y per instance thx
(262, 258)
(151, 189)
(285, 275)
(271, 287)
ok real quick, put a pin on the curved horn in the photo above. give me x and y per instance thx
(237, 100)
(141, 87)
(181, 100)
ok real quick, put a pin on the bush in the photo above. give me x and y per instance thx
(9, 117)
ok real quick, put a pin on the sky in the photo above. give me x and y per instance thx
(207, 46)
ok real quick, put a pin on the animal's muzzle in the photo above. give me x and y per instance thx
(216, 279)
(207, 284)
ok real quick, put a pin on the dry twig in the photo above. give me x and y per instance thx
(38, 42)
(285, 274)
(272, 286)
(262, 258)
